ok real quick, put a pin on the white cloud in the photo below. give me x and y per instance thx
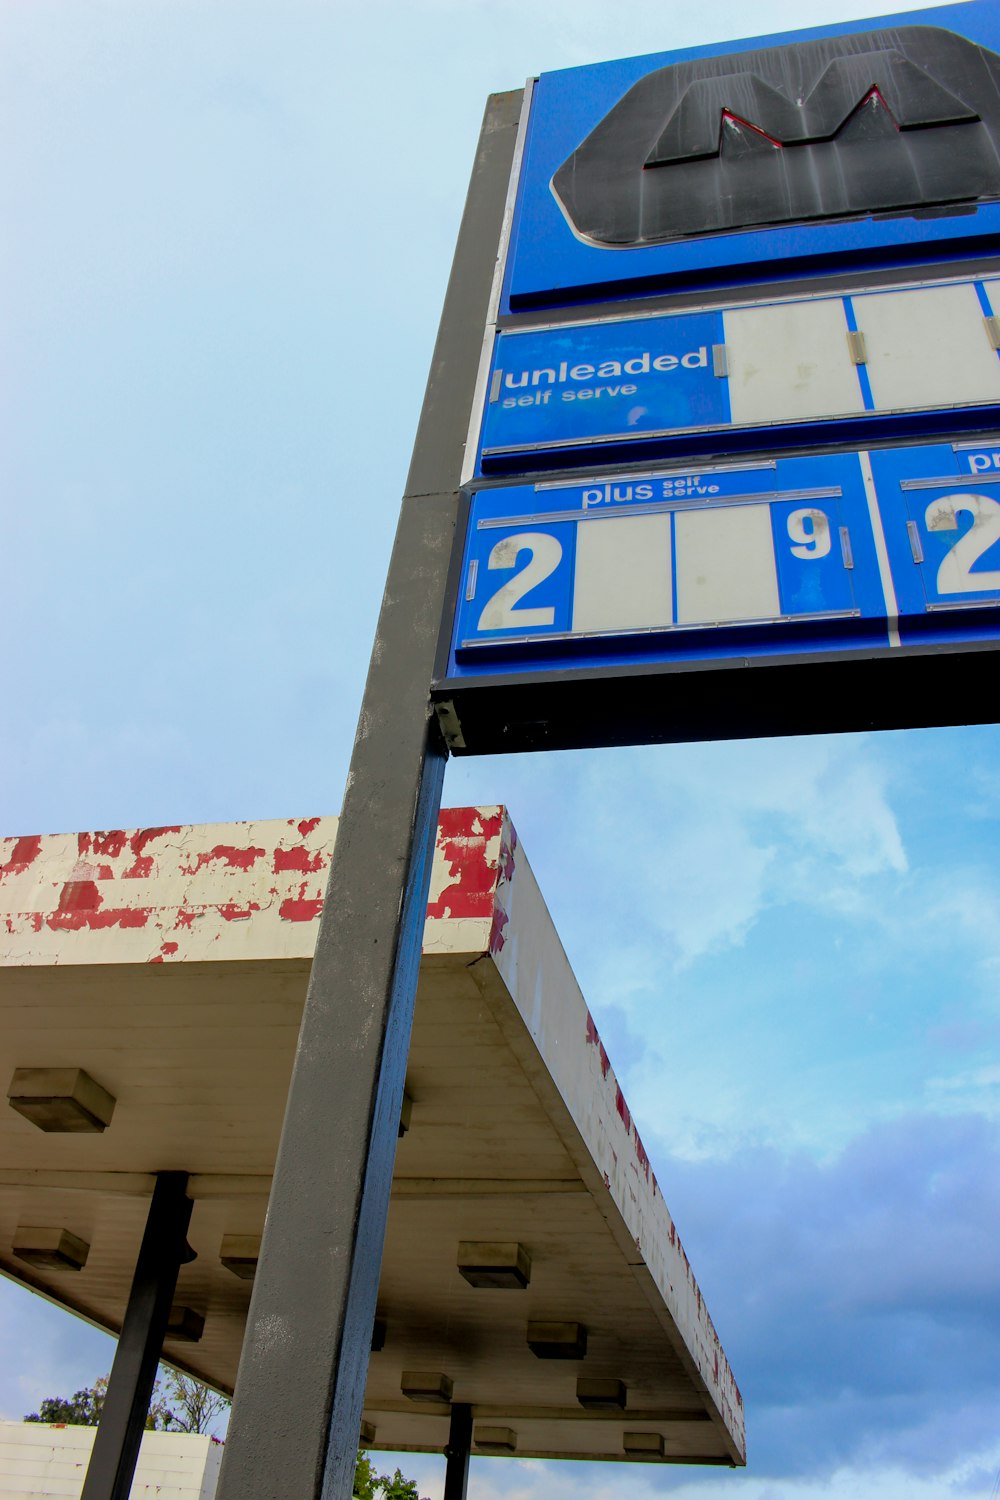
(703, 838)
(513, 1479)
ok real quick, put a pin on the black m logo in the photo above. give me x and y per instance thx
(884, 122)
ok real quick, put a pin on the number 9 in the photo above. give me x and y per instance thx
(810, 529)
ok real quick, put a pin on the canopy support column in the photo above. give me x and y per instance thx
(456, 1474)
(163, 1251)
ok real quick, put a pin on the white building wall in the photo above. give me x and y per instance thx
(41, 1461)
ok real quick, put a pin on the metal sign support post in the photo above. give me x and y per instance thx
(456, 1474)
(163, 1251)
(301, 1381)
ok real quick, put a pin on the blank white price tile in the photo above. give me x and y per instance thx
(622, 579)
(790, 361)
(725, 565)
(927, 347)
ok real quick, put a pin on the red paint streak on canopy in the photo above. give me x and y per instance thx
(300, 908)
(462, 837)
(81, 907)
(298, 859)
(142, 869)
(233, 858)
(24, 853)
(307, 825)
(109, 844)
(622, 1108)
(594, 1040)
(497, 938)
(144, 836)
(231, 912)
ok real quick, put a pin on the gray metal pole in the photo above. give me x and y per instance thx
(300, 1386)
(456, 1474)
(162, 1253)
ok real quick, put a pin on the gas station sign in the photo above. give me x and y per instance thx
(738, 397)
(829, 146)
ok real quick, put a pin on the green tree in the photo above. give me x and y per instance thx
(194, 1406)
(368, 1485)
(178, 1404)
(82, 1409)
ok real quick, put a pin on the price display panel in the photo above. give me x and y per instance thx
(940, 508)
(629, 607)
(671, 565)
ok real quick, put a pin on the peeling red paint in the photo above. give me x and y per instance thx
(187, 918)
(299, 858)
(497, 938)
(300, 908)
(594, 1040)
(622, 1108)
(640, 1152)
(715, 1367)
(24, 853)
(307, 825)
(81, 906)
(673, 1233)
(79, 895)
(230, 912)
(506, 859)
(457, 823)
(144, 836)
(463, 834)
(141, 870)
(233, 858)
(168, 949)
(109, 844)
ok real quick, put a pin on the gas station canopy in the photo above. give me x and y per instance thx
(152, 988)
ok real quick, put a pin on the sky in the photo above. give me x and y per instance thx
(228, 228)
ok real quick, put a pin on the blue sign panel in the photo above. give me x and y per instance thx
(941, 512)
(819, 553)
(607, 382)
(840, 142)
(582, 392)
(757, 558)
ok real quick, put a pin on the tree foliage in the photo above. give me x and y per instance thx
(195, 1407)
(178, 1404)
(181, 1404)
(369, 1485)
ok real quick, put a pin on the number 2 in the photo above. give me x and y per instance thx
(500, 612)
(955, 576)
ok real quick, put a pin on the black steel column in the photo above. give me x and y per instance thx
(123, 1417)
(299, 1391)
(456, 1474)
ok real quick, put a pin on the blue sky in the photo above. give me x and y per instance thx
(229, 230)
